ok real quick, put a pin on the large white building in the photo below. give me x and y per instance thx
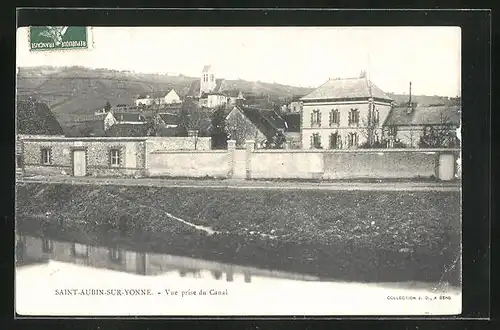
(336, 114)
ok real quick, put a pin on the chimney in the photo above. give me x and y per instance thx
(410, 104)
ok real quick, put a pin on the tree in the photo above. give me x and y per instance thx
(370, 128)
(218, 130)
(441, 132)
(194, 118)
(107, 107)
(275, 142)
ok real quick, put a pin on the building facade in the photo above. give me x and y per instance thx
(422, 127)
(343, 114)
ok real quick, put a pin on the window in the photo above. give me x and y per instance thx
(334, 117)
(352, 139)
(46, 156)
(114, 155)
(212, 78)
(353, 116)
(115, 255)
(316, 141)
(47, 246)
(334, 141)
(316, 118)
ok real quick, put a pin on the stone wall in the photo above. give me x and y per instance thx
(97, 156)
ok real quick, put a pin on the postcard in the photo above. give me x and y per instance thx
(248, 171)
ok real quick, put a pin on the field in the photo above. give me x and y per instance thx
(349, 235)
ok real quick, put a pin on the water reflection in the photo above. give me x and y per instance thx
(33, 250)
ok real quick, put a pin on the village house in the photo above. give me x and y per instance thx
(292, 106)
(343, 113)
(171, 98)
(34, 119)
(130, 118)
(245, 123)
(143, 100)
(159, 98)
(423, 126)
(212, 92)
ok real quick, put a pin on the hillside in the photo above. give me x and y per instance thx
(74, 91)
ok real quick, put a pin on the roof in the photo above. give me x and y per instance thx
(194, 89)
(167, 131)
(206, 68)
(129, 116)
(346, 89)
(169, 118)
(128, 130)
(218, 84)
(268, 122)
(86, 128)
(232, 93)
(35, 118)
(424, 116)
(292, 122)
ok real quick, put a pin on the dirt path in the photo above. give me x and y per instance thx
(245, 184)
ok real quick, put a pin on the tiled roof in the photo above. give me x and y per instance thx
(169, 118)
(206, 68)
(273, 118)
(437, 115)
(128, 130)
(292, 122)
(129, 116)
(424, 116)
(35, 118)
(167, 131)
(218, 84)
(86, 128)
(232, 93)
(265, 121)
(346, 89)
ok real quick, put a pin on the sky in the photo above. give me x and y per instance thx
(429, 57)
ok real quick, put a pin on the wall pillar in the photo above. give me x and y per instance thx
(446, 166)
(250, 148)
(148, 148)
(231, 148)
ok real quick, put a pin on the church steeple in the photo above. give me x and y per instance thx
(207, 79)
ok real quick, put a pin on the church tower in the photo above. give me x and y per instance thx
(207, 79)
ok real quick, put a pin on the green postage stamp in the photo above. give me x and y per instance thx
(58, 37)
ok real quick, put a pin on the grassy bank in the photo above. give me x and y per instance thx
(353, 235)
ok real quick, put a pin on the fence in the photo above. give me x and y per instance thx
(159, 157)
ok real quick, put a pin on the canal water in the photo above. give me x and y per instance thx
(57, 277)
